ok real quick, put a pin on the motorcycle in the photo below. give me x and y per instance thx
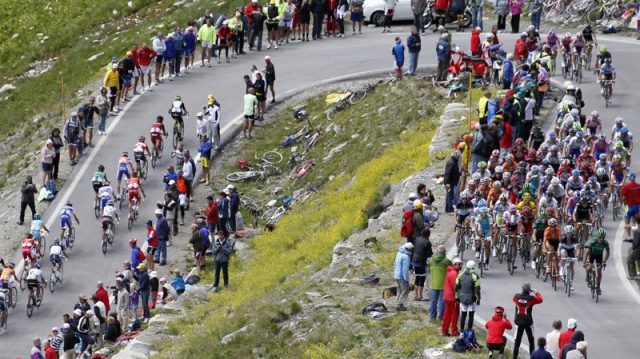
(429, 16)
(463, 62)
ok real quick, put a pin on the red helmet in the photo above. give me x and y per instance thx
(519, 141)
(133, 242)
(526, 210)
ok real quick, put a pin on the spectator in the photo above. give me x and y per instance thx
(234, 207)
(100, 314)
(72, 129)
(577, 337)
(305, 19)
(553, 338)
(83, 303)
(49, 352)
(483, 109)
(633, 264)
(58, 143)
(443, 51)
(398, 57)
(475, 42)
(270, 77)
(169, 56)
(341, 13)
(102, 105)
(103, 295)
(476, 13)
(112, 82)
(144, 290)
(524, 320)
(507, 71)
(163, 232)
(207, 37)
(189, 47)
(516, 10)
(205, 158)
(357, 15)
(437, 272)
(154, 283)
(178, 41)
(416, 220)
(535, 9)
(85, 330)
(56, 339)
(451, 306)
(496, 327)
(401, 274)
(451, 180)
(224, 212)
(69, 341)
(468, 294)
(145, 57)
(418, 7)
(178, 282)
(112, 331)
(389, 11)
(541, 352)
(502, 10)
(318, 8)
(169, 293)
(257, 19)
(272, 25)
(580, 352)
(421, 253)
(47, 154)
(250, 105)
(565, 337)
(28, 192)
(330, 27)
(222, 250)
(152, 244)
(123, 309)
(198, 244)
(414, 45)
(211, 213)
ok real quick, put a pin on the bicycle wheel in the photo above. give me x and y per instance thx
(538, 267)
(104, 245)
(146, 170)
(554, 277)
(481, 262)
(29, 307)
(39, 300)
(23, 279)
(510, 261)
(123, 195)
(241, 176)
(52, 281)
(462, 246)
(14, 296)
(96, 208)
(569, 283)
(175, 137)
(272, 157)
(357, 96)
(110, 236)
(154, 159)
(130, 222)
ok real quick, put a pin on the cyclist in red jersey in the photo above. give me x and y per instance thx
(29, 248)
(157, 131)
(133, 185)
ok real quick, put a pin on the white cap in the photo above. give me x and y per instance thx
(456, 260)
(471, 264)
(231, 187)
(158, 211)
(114, 66)
(77, 312)
(54, 329)
(572, 323)
(199, 114)
(66, 326)
(413, 196)
(582, 345)
(171, 182)
(267, 58)
(408, 245)
(153, 274)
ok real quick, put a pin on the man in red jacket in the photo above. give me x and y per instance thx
(520, 52)
(451, 308)
(136, 69)
(475, 42)
(212, 214)
(442, 6)
(525, 301)
(496, 327)
(565, 337)
(103, 295)
(145, 56)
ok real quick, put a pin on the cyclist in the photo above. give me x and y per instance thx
(553, 40)
(177, 110)
(567, 250)
(483, 224)
(552, 236)
(565, 48)
(527, 217)
(607, 73)
(4, 304)
(65, 218)
(29, 249)
(604, 54)
(617, 126)
(618, 170)
(589, 36)
(601, 146)
(526, 202)
(124, 167)
(620, 151)
(157, 130)
(133, 185)
(603, 182)
(582, 215)
(34, 279)
(139, 150)
(99, 180)
(37, 225)
(577, 46)
(106, 194)
(594, 252)
(593, 123)
(626, 138)
(7, 278)
(461, 212)
(109, 213)
(512, 223)
(56, 253)
(549, 201)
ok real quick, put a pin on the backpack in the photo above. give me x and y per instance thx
(51, 187)
(406, 229)
(193, 279)
(467, 341)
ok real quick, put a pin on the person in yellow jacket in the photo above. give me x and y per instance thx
(112, 82)
(483, 106)
(235, 24)
(465, 150)
(207, 38)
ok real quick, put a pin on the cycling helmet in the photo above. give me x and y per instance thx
(125, 154)
(618, 121)
(546, 48)
(624, 130)
(603, 156)
(579, 34)
(552, 135)
(619, 144)
(476, 176)
(602, 137)
(512, 208)
(586, 150)
(504, 197)
(471, 185)
(603, 49)
(580, 134)
(489, 36)
(495, 153)
(485, 180)
(38, 265)
(11, 265)
(417, 204)
(523, 35)
(506, 175)
(554, 148)
(159, 118)
(553, 222)
(608, 61)
(526, 210)
(568, 34)
(483, 210)
(69, 203)
(602, 233)
(482, 165)
(552, 32)
(499, 169)
(478, 194)
(549, 194)
(571, 87)
(595, 113)
(522, 164)
(497, 184)
(549, 171)
(543, 215)
(510, 156)
(535, 169)
(141, 138)
(56, 241)
(465, 194)
(531, 28)
(575, 173)
(601, 171)
(132, 242)
(616, 158)
(526, 196)
(572, 131)
(568, 229)
(527, 187)
(556, 181)
(37, 216)
(100, 168)
(178, 98)
(593, 179)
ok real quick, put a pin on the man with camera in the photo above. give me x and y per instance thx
(496, 327)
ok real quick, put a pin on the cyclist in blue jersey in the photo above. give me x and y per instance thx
(125, 167)
(483, 224)
(65, 218)
(36, 226)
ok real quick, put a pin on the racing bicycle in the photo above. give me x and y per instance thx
(55, 279)
(133, 214)
(34, 300)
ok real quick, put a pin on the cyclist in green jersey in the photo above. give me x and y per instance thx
(595, 252)
(99, 179)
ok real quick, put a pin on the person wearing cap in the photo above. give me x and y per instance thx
(205, 158)
(553, 337)
(496, 326)
(159, 46)
(69, 341)
(144, 290)
(422, 251)
(112, 82)
(129, 67)
(169, 56)
(397, 51)
(237, 31)
(516, 10)
(437, 272)
(189, 47)
(162, 231)
(443, 52)
(28, 191)
(451, 180)
(222, 250)
(401, 274)
(47, 153)
(103, 296)
(101, 315)
(212, 114)
(85, 330)
(565, 337)
(270, 77)
(224, 37)
(580, 352)
(55, 339)
(83, 303)
(224, 212)
(630, 196)
(154, 285)
(468, 294)
(207, 37)
(525, 301)
(451, 306)
(178, 41)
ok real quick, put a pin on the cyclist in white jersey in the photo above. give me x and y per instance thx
(109, 213)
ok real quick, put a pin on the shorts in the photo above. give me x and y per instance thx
(159, 59)
(608, 76)
(2, 305)
(261, 97)
(571, 252)
(554, 244)
(574, 152)
(134, 194)
(420, 272)
(155, 138)
(619, 177)
(65, 221)
(139, 156)
(632, 210)
(145, 70)
(136, 72)
(595, 258)
(32, 283)
(151, 250)
(234, 38)
(249, 117)
(207, 44)
(47, 167)
(581, 219)
(498, 347)
(223, 43)
(272, 27)
(468, 307)
(96, 186)
(55, 259)
(285, 23)
(88, 123)
(127, 80)
(122, 172)
(27, 255)
(72, 141)
(592, 131)
(397, 66)
(113, 91)
(106, 221)
(440, 13)
(462, 218)
(103, 201)
(357, 17)
(186, 52)
(205, 161)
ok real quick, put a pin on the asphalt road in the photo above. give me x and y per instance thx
(300, 67)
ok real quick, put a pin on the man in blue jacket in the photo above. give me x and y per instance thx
(168, 56)
(414, 45)
(162, 231)
(398, 57)
(507, 72)
(443, 51)
(401, 274)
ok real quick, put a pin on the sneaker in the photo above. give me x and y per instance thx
(268, 45)
(494, 253)
(401, 308)
(478, 254)
(146, 320)
(599, 291)
(276, 46)
(214, 289)
(533, 265)
(504, 250)
(487, 268)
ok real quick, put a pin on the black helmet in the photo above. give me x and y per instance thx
(100, 168)
(159, 118)
(526, 288)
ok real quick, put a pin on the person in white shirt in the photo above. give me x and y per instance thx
(553, 337)
(159, 47)
(213, 116)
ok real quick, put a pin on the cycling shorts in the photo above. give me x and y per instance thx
(32, 283)
(571, 252)
(2, 305)
(103, 202)
(156, 137)
(574, 152)
(27, 255)
(499, 220)
(619, 177)
(121, 172)
(134, 194)
(462, 218)
(594, 258)
(106, 221)
(583, 218)
(608, 76)
(554, 244)
(97, 185)
(178, 119)
(139, 156)
(632, 210)
(65, 221)
(55, 259)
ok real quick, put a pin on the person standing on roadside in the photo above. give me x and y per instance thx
(437, 272)
(47, 154)
(451, 180)
(145, 58)
(389, 11)
(421, 253)
(468, 294)
(580, 352)
(189, 48)
(28, 193)
(541, 352)
(553, 337)
(397, 51)
(58, 143)
(224, 212)
(261, 95)
(189, 173)
(102, 104)
(159, 47)
(162, 232)
(258, 18)
(451, 306)
(516, 10)
(418, 7)
(401, 274)
(234, 208)
(222, 250)
(577, 337)
(112, 82)
(565, 337)
(443, 52)
(476, 13)
(318, 8)
(414, 44)
(341, 13)
(270, 77)
(169, 56)
(502, 10)
(144, 290)
(633, 264)
(207, 37)
(535, 10)
(130, 68)
(525, 300)
(72, 130)
(250, 104)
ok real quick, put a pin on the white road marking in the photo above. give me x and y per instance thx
(619, 263)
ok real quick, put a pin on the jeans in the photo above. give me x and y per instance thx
(232, 221)
(443, 65)
(535, 20)
(102, 125)
(418, 21)
(318, 17)
(23, 209)
(476, 17)
(176, 62)
(450, 199)
(240, 42)
(222, 225)
(144, 300)
(170, 64)
(255, 34)
(224, 266)
(161, 251)
(437, 300)
(413, 62)
(519, 333)
(451, 310)
(539, 100)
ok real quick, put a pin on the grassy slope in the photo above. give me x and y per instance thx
(268, 288)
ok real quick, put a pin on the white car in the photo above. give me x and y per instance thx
(373, 11)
